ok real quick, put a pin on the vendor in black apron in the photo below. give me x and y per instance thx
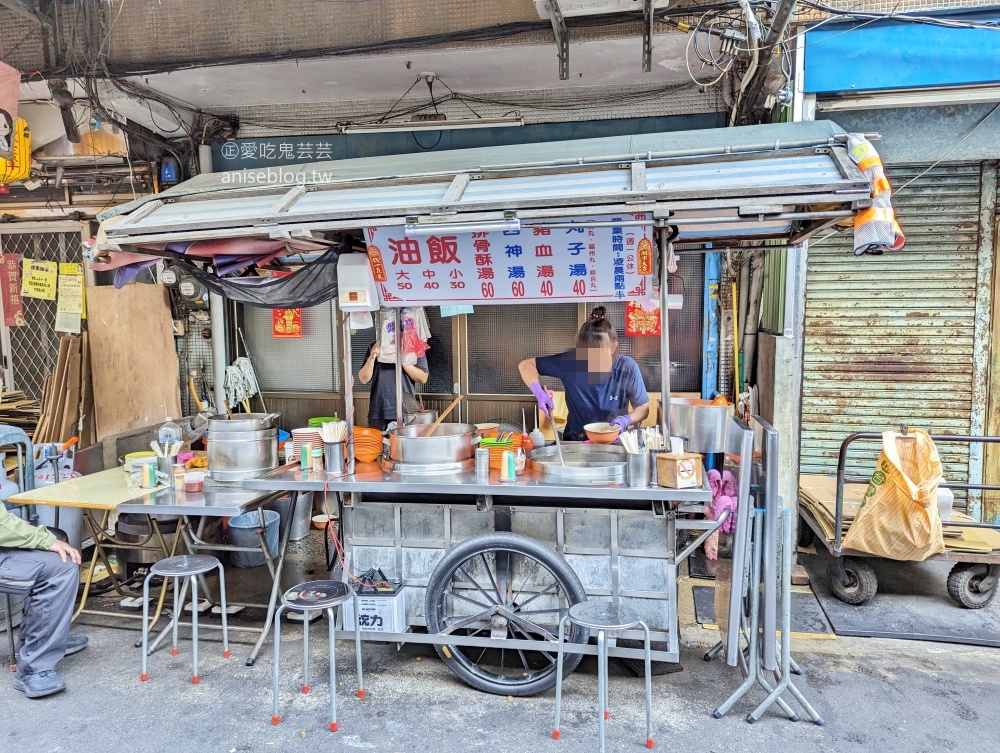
(382, 409)
(601, 384)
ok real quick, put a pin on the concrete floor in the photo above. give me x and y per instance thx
(875, 695)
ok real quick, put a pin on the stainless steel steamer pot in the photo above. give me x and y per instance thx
(242, 447)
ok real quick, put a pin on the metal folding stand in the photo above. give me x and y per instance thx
(751, 663)
(784, 674)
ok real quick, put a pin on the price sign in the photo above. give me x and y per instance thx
(531, 264)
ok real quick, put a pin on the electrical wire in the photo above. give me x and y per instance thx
(947, 154)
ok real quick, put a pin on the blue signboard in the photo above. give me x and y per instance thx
(864, 56)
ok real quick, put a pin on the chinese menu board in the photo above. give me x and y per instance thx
(531, 264)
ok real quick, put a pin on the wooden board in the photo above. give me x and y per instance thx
(133, 358)
(87, 434)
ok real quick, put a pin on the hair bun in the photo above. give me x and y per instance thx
(598, 314)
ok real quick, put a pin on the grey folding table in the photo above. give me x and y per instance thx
(215, 501)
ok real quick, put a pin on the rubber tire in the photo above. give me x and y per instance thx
(865, 581)
(521, 544)
(961, 580)
(805, 535)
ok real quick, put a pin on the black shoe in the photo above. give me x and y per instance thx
(39, 684)
(75, 644)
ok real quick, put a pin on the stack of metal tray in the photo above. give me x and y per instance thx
(585, 464)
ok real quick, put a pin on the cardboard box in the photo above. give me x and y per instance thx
(682, 471)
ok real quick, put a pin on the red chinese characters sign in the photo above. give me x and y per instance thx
(10, 280)
(531, 264)
(640, 322)
(286, 323)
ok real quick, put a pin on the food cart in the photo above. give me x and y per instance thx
(483, 568)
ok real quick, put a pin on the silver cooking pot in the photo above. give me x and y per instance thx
(243, 422)
(421, 417)
(703, 426)
(243, 446)
(450, 443)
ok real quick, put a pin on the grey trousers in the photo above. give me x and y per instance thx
(49, 586)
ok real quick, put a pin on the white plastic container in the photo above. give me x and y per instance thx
(379, 614)
(945, 500)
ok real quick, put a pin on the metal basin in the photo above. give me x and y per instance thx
(450, 443)
(703, 426)
(585, 464)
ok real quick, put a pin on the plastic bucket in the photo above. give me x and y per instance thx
(243, 532)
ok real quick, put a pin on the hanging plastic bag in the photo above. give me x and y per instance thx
(898, 518)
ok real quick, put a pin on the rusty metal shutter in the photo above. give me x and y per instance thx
(889, 339)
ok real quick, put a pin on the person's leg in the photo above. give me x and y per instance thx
(50, 586)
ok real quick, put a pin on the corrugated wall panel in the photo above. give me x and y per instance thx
(889, 339)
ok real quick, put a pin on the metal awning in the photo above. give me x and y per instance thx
(778, 181)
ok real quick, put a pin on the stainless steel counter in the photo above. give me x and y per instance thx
(370, 478)
(219, 501)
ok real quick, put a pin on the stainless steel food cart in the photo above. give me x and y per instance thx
(451, 534)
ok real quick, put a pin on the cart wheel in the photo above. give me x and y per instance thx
(805, 536)
(862, 583)
(964, 585)
(504, 585)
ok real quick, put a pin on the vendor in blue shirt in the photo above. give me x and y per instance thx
(601, 384)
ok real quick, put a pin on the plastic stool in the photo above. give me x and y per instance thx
(604, 618)
(189, 567)
(316, 596)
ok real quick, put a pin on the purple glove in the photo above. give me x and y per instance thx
(622, 422)
(544, 401)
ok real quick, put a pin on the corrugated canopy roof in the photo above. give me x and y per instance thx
(767, 181)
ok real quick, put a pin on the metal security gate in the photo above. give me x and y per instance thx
(33, 348)
(889, 340)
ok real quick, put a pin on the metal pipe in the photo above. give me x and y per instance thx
(348, 376)
(779, 23)
(664, 340)
(782, 15)
(683, 221)
(399, 368)
(217, 313)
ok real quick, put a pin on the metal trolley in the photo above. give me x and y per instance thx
(973, 579)
(488, 569)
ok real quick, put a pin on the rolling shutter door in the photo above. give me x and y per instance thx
(889, 339)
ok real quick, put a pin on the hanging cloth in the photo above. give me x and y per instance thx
(311, 285)
(875, 228)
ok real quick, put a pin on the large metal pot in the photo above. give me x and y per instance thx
(236, 453)
(243, 422)
(703, 426)
(421, 417)
(450, 443)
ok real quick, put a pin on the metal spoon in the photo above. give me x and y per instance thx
(555, 433)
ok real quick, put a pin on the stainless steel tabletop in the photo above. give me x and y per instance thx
(221, 501)
(370, 478)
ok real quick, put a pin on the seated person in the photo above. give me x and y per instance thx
(37, 564)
